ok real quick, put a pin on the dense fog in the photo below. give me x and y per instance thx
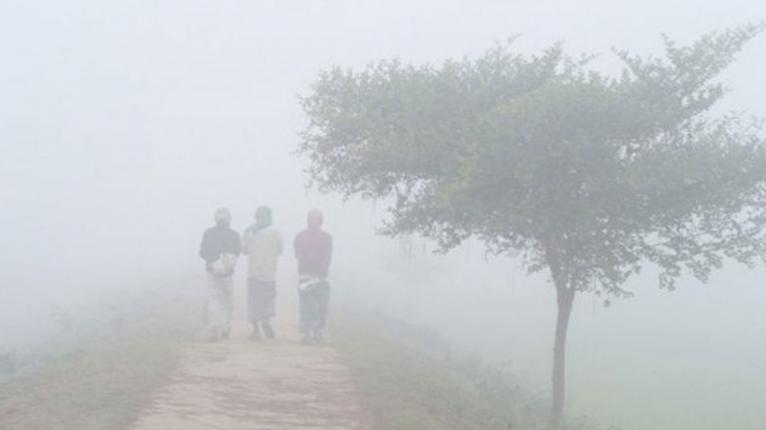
(123, 125)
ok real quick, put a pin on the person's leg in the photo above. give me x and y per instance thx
(214, 307)
(304, 298)
(252, 302)
(256, 333)
(227, 293)
(269, 307)
(268, 330)
(250, 284)
(262, 295)
(315, 312)
(322, 306)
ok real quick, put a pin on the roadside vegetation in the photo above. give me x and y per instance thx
(102, 380)
(409, 379)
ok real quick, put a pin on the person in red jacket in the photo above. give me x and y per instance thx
(313, 250)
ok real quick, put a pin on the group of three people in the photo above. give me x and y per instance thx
(262, 245)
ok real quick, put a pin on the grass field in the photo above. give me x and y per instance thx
(410, 380)
(407, 378)
(103, 382)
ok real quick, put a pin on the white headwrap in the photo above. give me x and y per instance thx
(222, 214)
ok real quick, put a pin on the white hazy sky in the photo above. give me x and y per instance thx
(119, 119)
(124, 123)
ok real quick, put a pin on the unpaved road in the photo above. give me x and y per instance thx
(238, 384)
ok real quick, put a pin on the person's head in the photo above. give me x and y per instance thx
(315, 219)
(222, 217)
(263, 215)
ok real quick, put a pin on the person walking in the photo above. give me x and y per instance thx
(220, 249)
(313, 250)
(262, 244)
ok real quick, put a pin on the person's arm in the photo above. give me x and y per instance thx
(327, 255)
(279, 244)
(298, 247)
(204, 248)
(203, 252)
(236, 245)
(245, 241)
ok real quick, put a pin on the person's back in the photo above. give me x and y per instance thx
(313, 250)
(263, 245)
(217, 241)
(263, 248)
(220, 248)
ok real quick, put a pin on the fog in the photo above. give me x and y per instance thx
(123, 125)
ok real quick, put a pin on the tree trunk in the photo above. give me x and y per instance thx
(565, 299)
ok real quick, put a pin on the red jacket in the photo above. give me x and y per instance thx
(313, 249)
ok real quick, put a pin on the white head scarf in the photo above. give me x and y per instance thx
(222, 215)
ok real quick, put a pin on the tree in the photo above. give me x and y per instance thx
(578, 172)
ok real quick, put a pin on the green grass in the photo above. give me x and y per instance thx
(105, 381)
(409, 380)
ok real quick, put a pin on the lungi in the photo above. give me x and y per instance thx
(314, 302)
(261, 298)
(219, 302)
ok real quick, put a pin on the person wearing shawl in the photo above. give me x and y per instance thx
(220, 250)
(313, 249)
(263, 246)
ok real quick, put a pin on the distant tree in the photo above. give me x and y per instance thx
(586, 175)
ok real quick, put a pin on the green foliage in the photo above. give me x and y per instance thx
(410, 380)
(588, 174)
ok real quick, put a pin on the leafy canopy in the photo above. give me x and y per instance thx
(573, 169)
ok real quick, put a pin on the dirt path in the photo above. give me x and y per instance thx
(240, 384)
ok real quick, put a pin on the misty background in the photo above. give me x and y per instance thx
(123, 125)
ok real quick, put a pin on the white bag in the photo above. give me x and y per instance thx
(308, 283)
(224, 266)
